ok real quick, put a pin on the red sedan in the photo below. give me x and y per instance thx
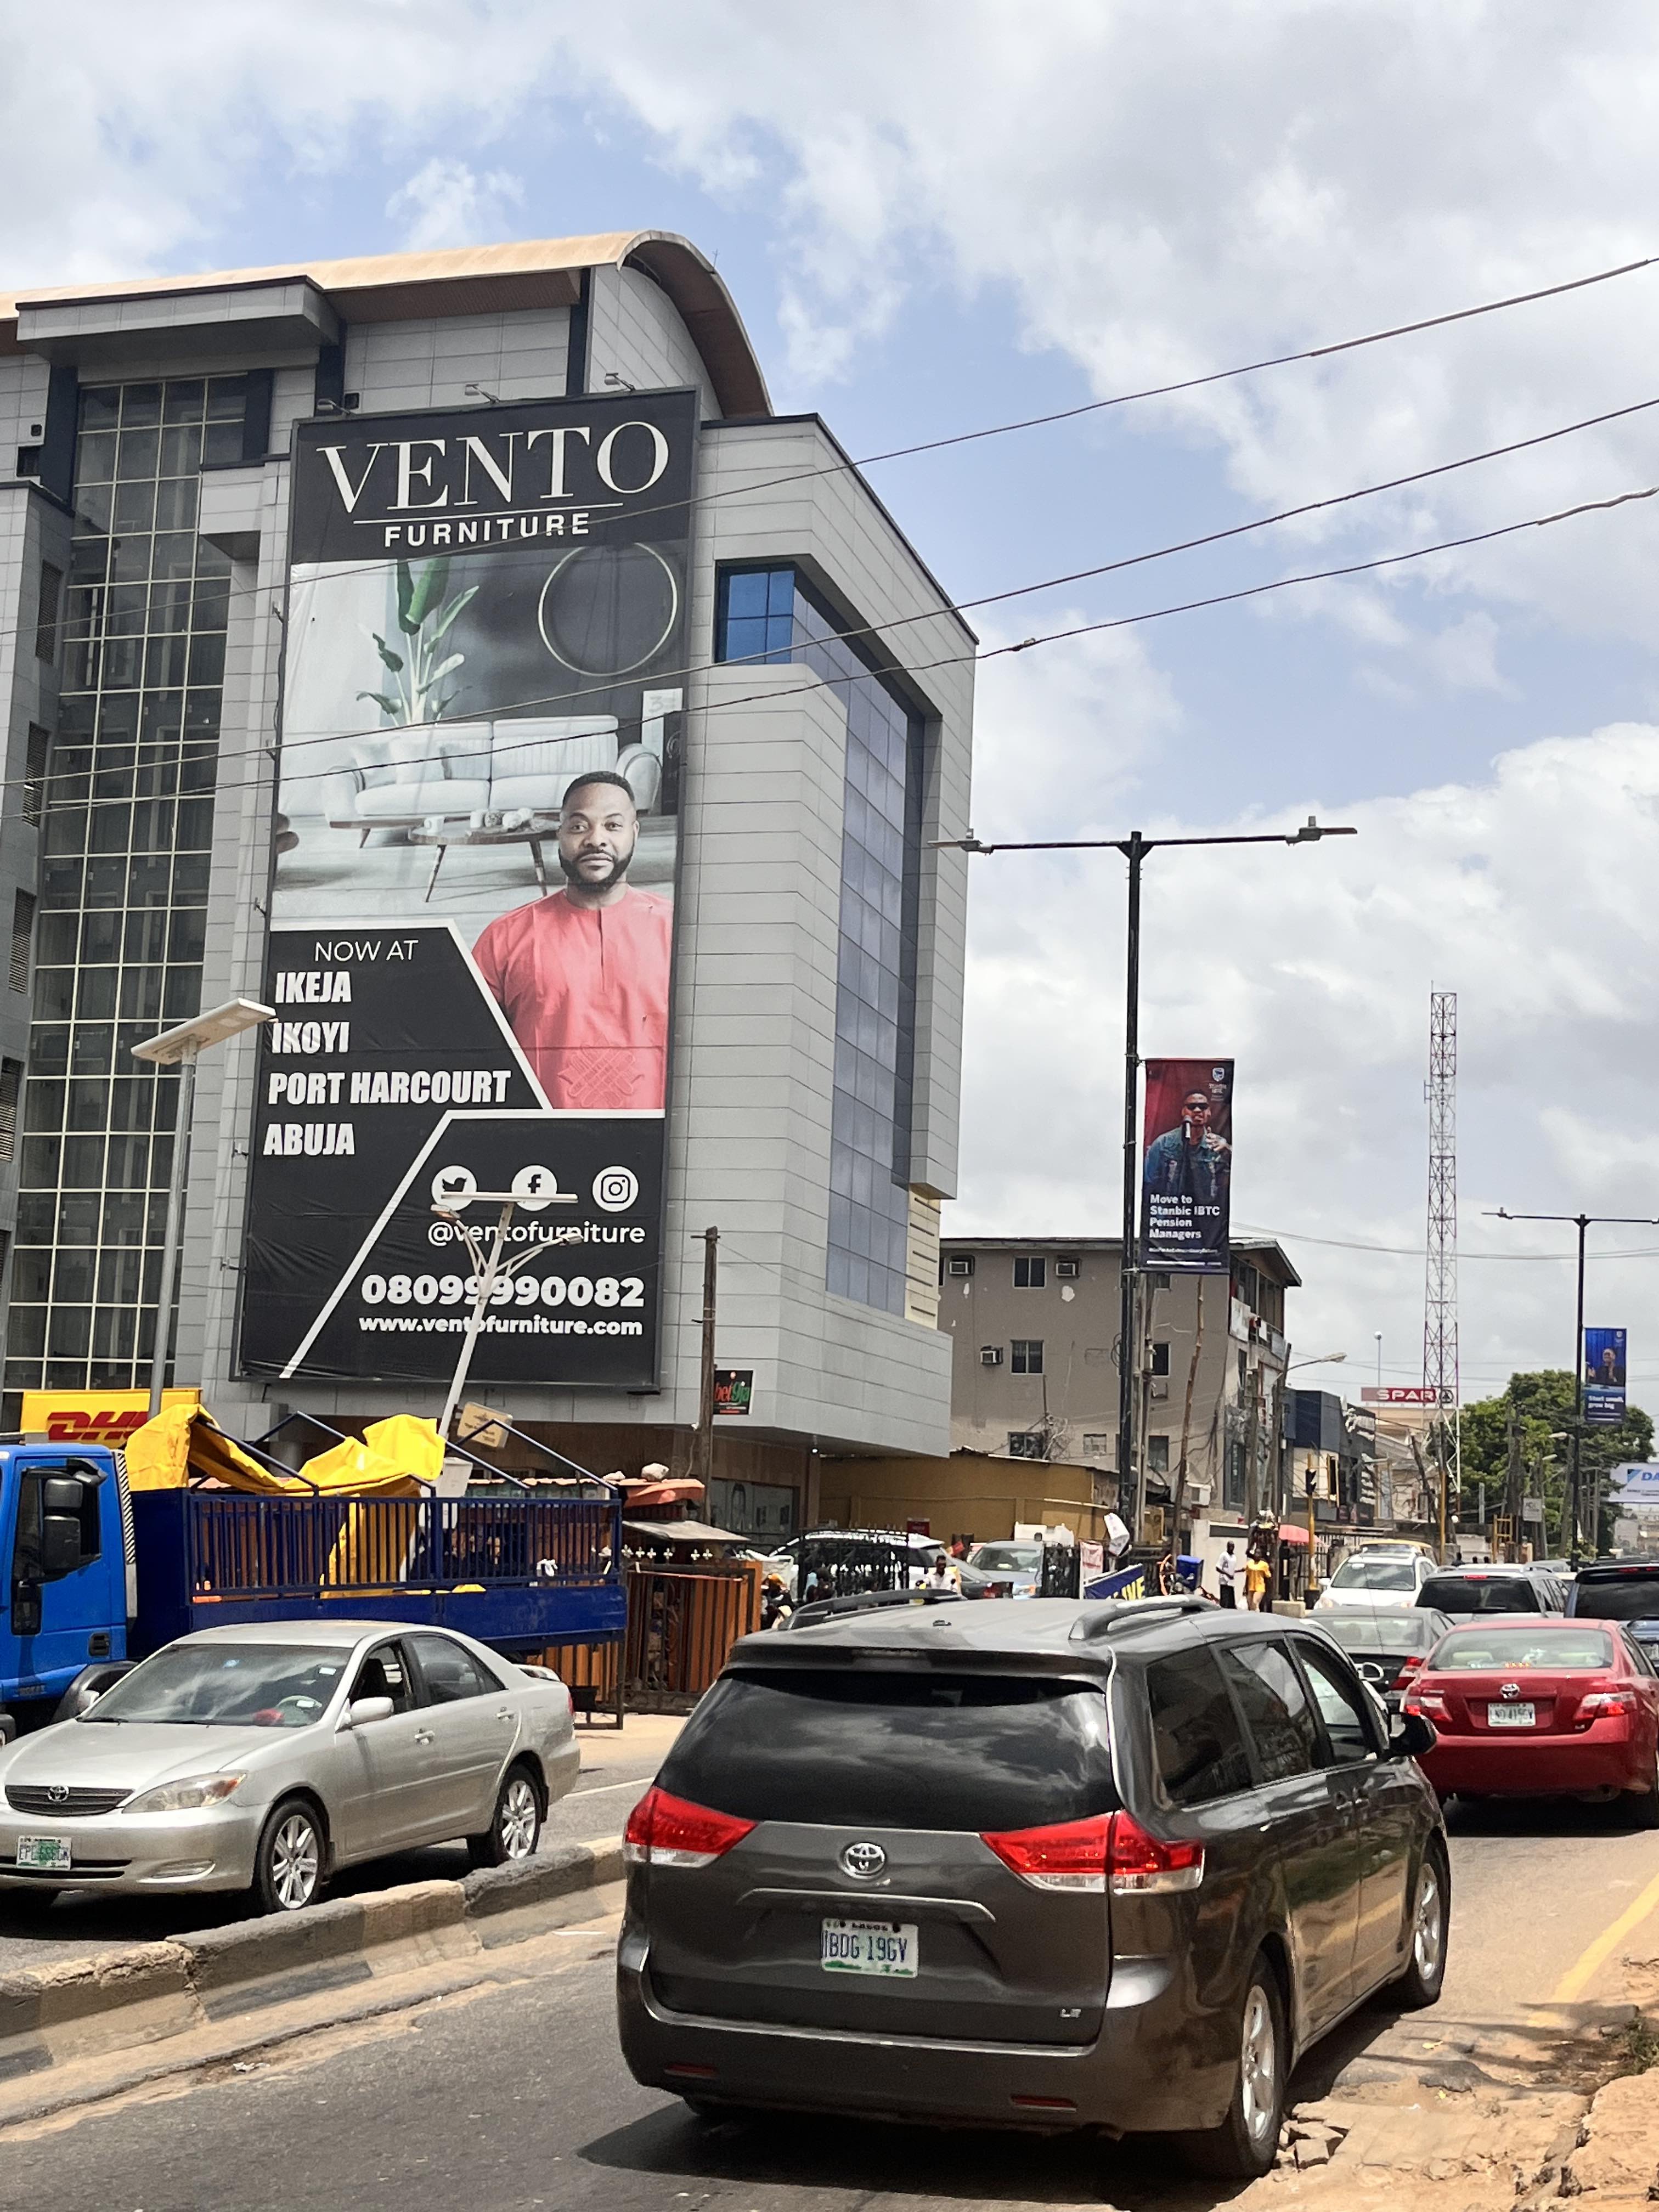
(1528, 1706)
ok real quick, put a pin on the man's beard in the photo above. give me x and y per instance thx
(571, 869)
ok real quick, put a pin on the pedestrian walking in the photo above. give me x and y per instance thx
(1117, 1540)
(939, 1575)
(1257, 1576)
(1226, 1574)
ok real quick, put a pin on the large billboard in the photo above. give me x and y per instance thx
(1187, 1166)
(1604, 1377)
(472, 925)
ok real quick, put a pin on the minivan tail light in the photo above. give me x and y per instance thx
(1068, 1855)
(1141, 1865)
(672, 1832)
(1410, 1665)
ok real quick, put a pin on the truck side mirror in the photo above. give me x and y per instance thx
(60, 1542)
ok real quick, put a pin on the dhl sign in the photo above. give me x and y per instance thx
(94, 1416)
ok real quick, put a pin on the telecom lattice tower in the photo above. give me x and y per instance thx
(1440, 1288)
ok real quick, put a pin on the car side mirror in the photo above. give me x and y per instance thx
(361, 1710)
(60, 1545)
(1410, 1736)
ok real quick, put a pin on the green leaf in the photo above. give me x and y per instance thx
(389, 659)
(407, 622)
(445, 667)
(393, 706)
(452, 610)
(429, 590)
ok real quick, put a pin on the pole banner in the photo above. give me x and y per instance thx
(1187, 1166)
(1604, 1377)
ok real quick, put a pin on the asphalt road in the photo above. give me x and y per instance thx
(516, 2097)
(79, 1921)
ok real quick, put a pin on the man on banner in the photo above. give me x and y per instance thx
(582, 975)
(1187, 1169)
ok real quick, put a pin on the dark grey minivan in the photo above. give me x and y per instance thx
(1051, 1864)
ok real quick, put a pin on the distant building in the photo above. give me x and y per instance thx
(1034, 1376)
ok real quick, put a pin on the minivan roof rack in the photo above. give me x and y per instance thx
(831, 1609)
(1130, 1612)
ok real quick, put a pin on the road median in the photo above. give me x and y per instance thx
(149, 1993)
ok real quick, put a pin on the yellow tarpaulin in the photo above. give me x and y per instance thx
(397, 1458)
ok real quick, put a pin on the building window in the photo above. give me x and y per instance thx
(125, 843)
(1030, 1272)
(22, 938)
(1160, 1359)
(1025, 1356)
(1233, 1484)
(1026, 1443)
(1157, 1455)
(45, 617)
(34, 772)
(1096, 1444)
(771, 615)
(11, 1078)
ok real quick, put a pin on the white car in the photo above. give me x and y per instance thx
(1380, 1576)
(265, 1757)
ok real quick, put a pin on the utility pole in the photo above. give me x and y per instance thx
(703, 1455)
(1514, 1494)
(1134, 849)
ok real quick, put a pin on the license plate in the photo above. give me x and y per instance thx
(49, 1853)
(1511, 1716)
(870, 1947)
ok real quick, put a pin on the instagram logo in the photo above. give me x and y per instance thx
(615, 1189)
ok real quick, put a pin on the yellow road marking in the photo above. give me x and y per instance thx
(1578, 1977)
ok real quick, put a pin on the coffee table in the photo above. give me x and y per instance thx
(443, 834)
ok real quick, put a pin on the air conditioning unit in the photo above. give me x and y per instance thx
(1066, 1270)
(959, 1263)
(990, 1355)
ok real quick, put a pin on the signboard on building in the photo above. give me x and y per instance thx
(472, 915)
(734, 1388)
(1634, 1481)
(1400, 1394)
(1187, 1162)
(1604, 1377)
(94, 1416)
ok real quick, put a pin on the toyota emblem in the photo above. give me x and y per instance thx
(864, 1861)
(1509, 1690)
(57, 1793)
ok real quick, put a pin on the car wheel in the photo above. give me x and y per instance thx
(1644, 1807)
(516, 1828)
(291, 1864)
(1426, 1942)
(1245, 2146)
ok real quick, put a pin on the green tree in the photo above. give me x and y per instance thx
(1544, 1405)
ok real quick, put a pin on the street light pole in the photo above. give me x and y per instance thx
(1134, 849)
(1582, 1223)
(181, 1047)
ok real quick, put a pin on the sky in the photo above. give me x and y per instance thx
(944, 217)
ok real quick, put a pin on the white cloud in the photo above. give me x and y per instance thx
(446, 202)
(1312, 967)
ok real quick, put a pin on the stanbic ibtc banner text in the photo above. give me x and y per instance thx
(472, 937)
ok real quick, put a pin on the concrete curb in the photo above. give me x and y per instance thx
(148, 1992)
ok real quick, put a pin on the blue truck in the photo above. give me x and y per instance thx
(92, 1575)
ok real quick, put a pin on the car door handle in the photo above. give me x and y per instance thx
(506, 1713)
(421, 1736)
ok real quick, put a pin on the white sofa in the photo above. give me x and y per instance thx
(454, 770)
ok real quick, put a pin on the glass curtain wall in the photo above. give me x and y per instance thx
(127, 822)
(768, 615)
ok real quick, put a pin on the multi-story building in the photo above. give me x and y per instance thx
(701, 603)
(1034, 1330)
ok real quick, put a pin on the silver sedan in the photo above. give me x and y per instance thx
(264, 1758)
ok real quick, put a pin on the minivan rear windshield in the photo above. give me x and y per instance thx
(1501, 1594)
(840, 1748)
(1620, 1597)
(1393, 1631)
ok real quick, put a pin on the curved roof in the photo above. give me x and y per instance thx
(472, 280)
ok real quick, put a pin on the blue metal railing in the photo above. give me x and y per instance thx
(283, 1547)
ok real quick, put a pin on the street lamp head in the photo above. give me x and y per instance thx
(1313, 830)
(188, 1038)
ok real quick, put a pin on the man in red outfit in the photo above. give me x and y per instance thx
(582, 975)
